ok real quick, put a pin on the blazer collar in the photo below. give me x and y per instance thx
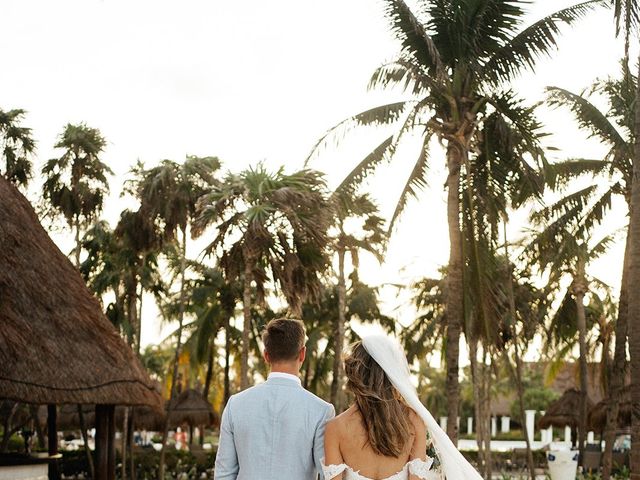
(279, 378)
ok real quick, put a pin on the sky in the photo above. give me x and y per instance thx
(252, 81)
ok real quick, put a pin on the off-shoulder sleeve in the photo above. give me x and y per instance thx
(332, 471)
(422, 469)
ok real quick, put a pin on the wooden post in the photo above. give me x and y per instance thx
(111, 434)
(102, 442)
(52, 437)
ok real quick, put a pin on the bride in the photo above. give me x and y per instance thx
(384, 434)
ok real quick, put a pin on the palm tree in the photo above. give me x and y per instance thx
(118, 262)
(17, 147)
(587, 206)
(76, 183)
(456, 62)
(212, 303)
(568, 252)
(75, 188)
(358, 228)
(277, 223)
(123, 261)
(168, 193)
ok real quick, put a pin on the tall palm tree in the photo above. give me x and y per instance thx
(268, 223)
(168, 193)
(123, 261)
(212, 304)
(18, 146)
(358, 228)
(76, 183)
(119, 261)
(568, 252)
(75, 188)
(629, 12)
(456, 61)
(587, 206)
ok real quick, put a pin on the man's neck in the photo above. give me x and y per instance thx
(285, 368)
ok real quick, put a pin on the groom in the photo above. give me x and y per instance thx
(275, 431)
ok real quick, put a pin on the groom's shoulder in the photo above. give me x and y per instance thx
(314, 399)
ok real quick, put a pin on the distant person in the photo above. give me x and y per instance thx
(275, 431)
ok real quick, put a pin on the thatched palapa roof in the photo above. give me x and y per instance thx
(56, 346)
(565, 411)
(190, 407)
(597, 418)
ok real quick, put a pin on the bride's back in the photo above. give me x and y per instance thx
(379, 434)
(347, 431)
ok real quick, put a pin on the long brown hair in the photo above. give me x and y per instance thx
(384, 413)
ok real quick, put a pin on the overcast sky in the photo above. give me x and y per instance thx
(256, 80)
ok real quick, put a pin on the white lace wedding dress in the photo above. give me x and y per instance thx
(417, 467)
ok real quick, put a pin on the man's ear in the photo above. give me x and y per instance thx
(303, 354)
(266, 357)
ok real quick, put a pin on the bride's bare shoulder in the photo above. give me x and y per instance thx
(417, 423)
(342, 422)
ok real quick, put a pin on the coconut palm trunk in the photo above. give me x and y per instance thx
(486, 412)
(83, 425)
(209, 374)
(454, 299)
(517, 372)
(176, 357)
(634, 300)
(521, 410)
(246, 328)
(477, 396)
(338, 340)
(227, 355)
(579, 289)
(618, 369)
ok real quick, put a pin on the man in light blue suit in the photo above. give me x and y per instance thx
(275, 431)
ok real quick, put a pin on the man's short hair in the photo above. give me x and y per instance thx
(283, 339)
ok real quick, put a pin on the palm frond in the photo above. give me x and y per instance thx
(381, 115)
(366, 166)
(416, 181)
(523, 50)
(413, 36)
(588, 116)
(562, 174)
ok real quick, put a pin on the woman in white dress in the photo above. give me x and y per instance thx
(384, 435)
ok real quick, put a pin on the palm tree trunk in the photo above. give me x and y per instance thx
(338, 340)
(246, 328)
(579, 290)
(85, 439)
(517, 375)
(129, 434)
(227, 354)
(83, 428)
(176, 358)
(77, 240)
(454, 298)
(209, 374)
(634, 300)
(618, 370)
(476, 377)
(486, 410)
(125, 428)
(132, 310)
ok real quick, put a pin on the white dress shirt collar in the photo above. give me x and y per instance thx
(288, 376)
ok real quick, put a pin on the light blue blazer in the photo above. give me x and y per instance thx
(273, 431)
